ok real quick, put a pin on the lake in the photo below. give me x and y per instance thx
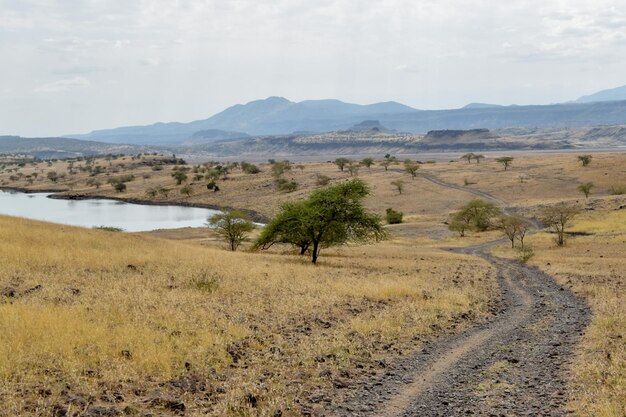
(101, 212)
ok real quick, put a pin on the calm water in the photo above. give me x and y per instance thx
(90, 213)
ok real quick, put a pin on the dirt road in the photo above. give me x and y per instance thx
(514, 365)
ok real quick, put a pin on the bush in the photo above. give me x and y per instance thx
(524, 253)
(322, 180)
(393, 217)
(286, 186)
(249, 168)
(617, 190)
(109, 228)
(205, 283)
(119, 187)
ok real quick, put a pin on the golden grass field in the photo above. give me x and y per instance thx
(594, 266)
(119, 316)
(187, 300)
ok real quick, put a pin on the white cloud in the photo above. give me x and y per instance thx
(205, 55)
(63, 85)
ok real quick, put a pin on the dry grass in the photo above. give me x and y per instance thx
(595, 267)
(546, 178)
(118, 316)
(256, 192)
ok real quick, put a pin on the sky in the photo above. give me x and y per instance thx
(71, 66)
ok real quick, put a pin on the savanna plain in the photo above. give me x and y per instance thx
(171, 322)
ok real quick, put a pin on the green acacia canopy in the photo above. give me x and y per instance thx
(328, 217)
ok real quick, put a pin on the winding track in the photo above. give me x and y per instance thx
(514, 365)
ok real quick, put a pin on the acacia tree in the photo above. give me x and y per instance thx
(514, 227)
(341, 163)
(558, 218)
(367, 162)
(585, 160)
(478, 158)
(353, 168)
(475, 215)
(388, 161)
(411, 167)
(179, 176)
(505, 161)
(468, 157)
(233, 226)
(328, 217)
(585, 188)
(399, 184)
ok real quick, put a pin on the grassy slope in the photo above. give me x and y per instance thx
(594, 266)
(122, 314)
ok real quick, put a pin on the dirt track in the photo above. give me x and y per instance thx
(514, 365)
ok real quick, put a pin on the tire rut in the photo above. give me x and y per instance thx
(515, 364)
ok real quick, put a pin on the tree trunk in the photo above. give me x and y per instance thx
(315, 252)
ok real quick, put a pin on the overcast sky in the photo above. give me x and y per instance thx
(71, 66)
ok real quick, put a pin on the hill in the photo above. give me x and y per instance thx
(62, 147)
(613, 94)
(279, 116)
(271, 116)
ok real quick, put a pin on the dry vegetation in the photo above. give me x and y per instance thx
(594, 266)
(131, 322)
(263, 331)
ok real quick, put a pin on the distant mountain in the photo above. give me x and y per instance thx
(480, 106)
(613, 94)
(279, 116)
(369, 126)
(213, 135)
(48, 148)
(274, 115)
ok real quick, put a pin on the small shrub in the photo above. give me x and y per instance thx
(617, 190)
(322, 180)
(393, 216)
(109, 228)
(524, 253)
(286, 186)
(205, 282)
(249, 168)
(119, 187)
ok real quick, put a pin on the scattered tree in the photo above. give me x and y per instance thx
(399, 184)
(478, 158)
(328, 217)
(505, 161)
(558, 218)
(353, 168)
(476, 215)
(179, 176)
(585, 188)
(585, 160)
(341, 163)
(233, 226)
(367, 162)
(468, 157)
(512, 226)
(411, 167)
(187, 190)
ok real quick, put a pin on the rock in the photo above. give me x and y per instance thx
(97, 411)
(252, 400)
(158, 399)
(8, 292)
(34, 289)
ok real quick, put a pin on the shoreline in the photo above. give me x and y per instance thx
(58, 195)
